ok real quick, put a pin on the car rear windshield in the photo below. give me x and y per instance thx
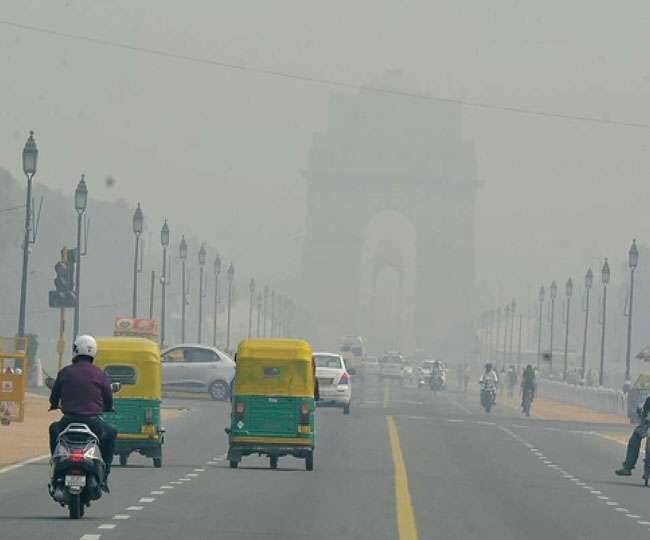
(328, 361)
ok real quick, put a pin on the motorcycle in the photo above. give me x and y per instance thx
(77, 467)
(488, 395)
(527, 400)
(437, 382)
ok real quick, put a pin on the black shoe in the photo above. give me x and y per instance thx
(105, 486)
(624, 471)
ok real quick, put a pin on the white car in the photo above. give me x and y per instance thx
(390, 366)
(197, 369)
(333, 381)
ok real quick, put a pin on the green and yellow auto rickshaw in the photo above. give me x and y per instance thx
(134, 363)
(273, 401)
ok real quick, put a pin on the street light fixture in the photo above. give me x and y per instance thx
(633, 261)
(569, 294)
(251, 290)
(539, 331)
(138, 226)
(183, 255)
(202, 256)
(589, 280)
(553, 291)
(231, 277)
(259, 314)
(215, 307)
(605, 275)
(164, 242)
(80, 204)
(265, 310)
(30, 159)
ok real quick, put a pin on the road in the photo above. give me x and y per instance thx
(405, 464)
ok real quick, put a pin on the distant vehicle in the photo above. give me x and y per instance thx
(390, 366)
(352, 352)
(370, 366)
(334, 385)
(198, 369)
(424, 375)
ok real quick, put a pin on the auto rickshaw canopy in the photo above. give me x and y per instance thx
(274, 367)
(134, 362)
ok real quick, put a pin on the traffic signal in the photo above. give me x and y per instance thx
(63, 295)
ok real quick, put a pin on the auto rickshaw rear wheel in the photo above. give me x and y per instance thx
(273, 461)
(233, 464)
(309, 462)
(157, 462)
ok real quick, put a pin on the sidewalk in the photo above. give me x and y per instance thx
(29, 439)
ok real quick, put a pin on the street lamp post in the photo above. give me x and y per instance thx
(80, 204)
(231, 277)
(164, 241)
(201, 267)
(183, 255)
(215, 308)
(605, 274)
(569, 293)
(513, 308)
(633, 261)
(539, 330)
(259, 314)
(521, 322)
(589, 279)
(553, 291)
(506, 312)
(30, 159)
(251, 290)
(265, 310)
(138, 225)
(496, 338)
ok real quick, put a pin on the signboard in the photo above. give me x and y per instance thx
(130, 327)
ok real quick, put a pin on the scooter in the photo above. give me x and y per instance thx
(526, 401)
(488, 395)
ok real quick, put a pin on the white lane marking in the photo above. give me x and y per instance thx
(595, 492)
(619, 509)
(121, 517)
(135, 507)
(166, 487)
(176, 482)
(643, 522)
(157, 492)
(147, 500)
(603, 498)
(91, 537)
(23, 463)
(632, 516)
(199, 470)
(107, 526)
(482, 423)
(454, 421)
(192, 475)
(611, 503)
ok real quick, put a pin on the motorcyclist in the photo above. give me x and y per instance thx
(634, 444)
(83, 392)
(489, 375)
(528, 383)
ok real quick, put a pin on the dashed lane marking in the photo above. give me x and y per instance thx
(132, 508)
(91, 537)
(199, 470)
(121, 517)
(455, 421)
(192, 475)
(157, 492)
(147, 499)
(107, 526)
(166, 487)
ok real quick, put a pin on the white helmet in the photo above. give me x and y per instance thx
(85, 346)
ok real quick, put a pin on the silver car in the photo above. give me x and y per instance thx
(198, 369)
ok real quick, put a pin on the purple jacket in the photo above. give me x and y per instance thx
(82, 390)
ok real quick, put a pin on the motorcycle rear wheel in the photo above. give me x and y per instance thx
(74, 507)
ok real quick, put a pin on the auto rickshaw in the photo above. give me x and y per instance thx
(135, 363)
(273, 401)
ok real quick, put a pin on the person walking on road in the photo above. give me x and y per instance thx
(83, 392)
(634, 444)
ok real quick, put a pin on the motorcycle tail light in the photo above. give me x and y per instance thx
(76, 455)
(240, 408)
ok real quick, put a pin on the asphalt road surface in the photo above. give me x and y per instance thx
(405, 464)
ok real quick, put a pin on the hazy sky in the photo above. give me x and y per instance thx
(220, 151)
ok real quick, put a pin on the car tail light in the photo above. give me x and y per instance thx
(345, 378)
(304, 414)
(148, 416)
(240, 408)
(76, 455)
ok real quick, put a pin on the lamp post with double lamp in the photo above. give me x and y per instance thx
(30, 159)
(496, 338)
(215, 307)
(251, 290)
(633, 261)
(183, 255)
(569, 293)
(164, 242)
(506, 312)
(259, 314)
(553, 291)
(231, 277)
(138, 226)
(201, 266)
(589, 280)
(539, 329)
(80, 204)
(513, 307)
(605, 275)
(265, 310)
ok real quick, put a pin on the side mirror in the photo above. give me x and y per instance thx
(352, 371)
(116, 387)
(49, 382)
